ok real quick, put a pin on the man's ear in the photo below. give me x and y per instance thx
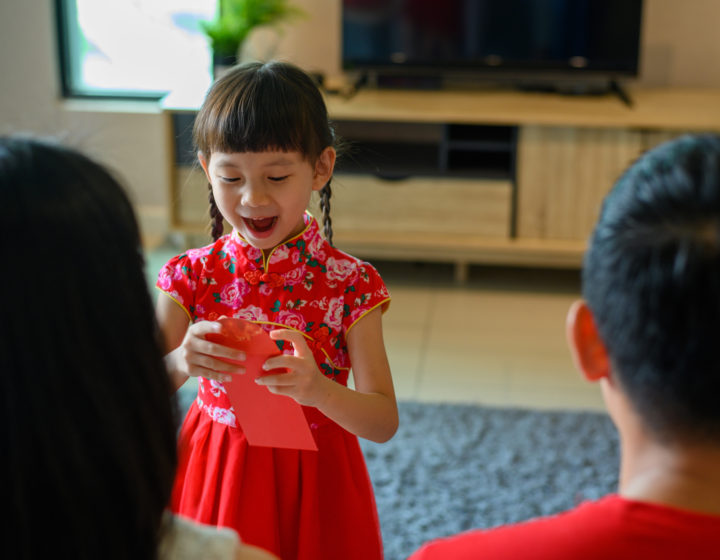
(204, 164)
(587, 348)
(324, 166)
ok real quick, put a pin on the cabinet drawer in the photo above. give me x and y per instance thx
(419, 205)
(363, 202)
(563, 175)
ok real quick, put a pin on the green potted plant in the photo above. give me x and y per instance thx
(236, 19)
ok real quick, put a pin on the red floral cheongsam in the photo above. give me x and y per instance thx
(298, 504)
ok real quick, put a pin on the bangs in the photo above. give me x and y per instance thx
(256, 113)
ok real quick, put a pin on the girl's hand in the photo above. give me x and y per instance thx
(198, 357)
(303, 381)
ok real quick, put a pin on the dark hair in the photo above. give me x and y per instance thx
(652, 279)
(256, 107)
(88, 421)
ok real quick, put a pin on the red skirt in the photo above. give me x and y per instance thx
(300, 505)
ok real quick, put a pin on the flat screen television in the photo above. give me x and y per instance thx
(525, 41)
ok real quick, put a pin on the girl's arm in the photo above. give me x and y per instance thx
(187, 352)
(369, 411)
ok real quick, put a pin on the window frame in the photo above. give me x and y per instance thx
(66, 24)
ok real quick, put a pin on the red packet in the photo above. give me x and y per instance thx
(267, 419)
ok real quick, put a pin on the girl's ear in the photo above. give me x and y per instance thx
(204, 165)
(324, 166)
(587, 348)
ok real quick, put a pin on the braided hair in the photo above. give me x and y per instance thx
(325, 194)
(216, 218)
(255, 107)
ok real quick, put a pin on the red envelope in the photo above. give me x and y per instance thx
(267, 419)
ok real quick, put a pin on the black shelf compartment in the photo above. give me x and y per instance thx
(479, 151)
(391, 150)
(389, 159)
(396, 150)
(490, 136)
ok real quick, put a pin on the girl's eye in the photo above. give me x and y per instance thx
(278, 179)
(230, 179)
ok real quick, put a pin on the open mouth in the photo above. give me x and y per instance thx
(261, 225)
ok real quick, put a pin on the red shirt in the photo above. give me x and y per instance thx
(611, 528)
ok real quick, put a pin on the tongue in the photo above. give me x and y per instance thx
(263, 224)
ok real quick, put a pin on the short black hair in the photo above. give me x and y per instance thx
(88, 419)
(651, 277)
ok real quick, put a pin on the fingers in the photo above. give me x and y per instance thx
(300, 360)
(286, 362)
(200, 361)
(222, 377)
(304, 383)
(288, 384)
(197, 342)
(277, 380)
(209, 359)
(296, 338)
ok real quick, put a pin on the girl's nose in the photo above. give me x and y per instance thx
(254, 195)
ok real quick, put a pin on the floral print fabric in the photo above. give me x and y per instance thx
(305, 285)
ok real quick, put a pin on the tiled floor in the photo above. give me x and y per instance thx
(498, 339)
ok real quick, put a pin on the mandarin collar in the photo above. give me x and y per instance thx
(307, 241)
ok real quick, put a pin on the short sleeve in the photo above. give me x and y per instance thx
(178, 280)
(367, 292)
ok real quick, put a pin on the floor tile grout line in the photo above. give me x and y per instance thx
(425, 341)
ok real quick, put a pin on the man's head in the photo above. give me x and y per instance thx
(651, 280)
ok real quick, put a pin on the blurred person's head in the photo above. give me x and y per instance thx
(88, 422)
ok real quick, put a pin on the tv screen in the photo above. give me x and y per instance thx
(435, 37)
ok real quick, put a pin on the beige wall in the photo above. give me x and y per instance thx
(680, 48)
(680, 43)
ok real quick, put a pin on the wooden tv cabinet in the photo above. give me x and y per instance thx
(490, 176)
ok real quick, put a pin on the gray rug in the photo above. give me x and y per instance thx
(451, 468)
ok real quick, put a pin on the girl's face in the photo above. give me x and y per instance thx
(263, 195)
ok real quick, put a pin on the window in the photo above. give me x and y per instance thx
(133, 48)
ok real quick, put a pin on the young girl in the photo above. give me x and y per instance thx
(265, 144)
